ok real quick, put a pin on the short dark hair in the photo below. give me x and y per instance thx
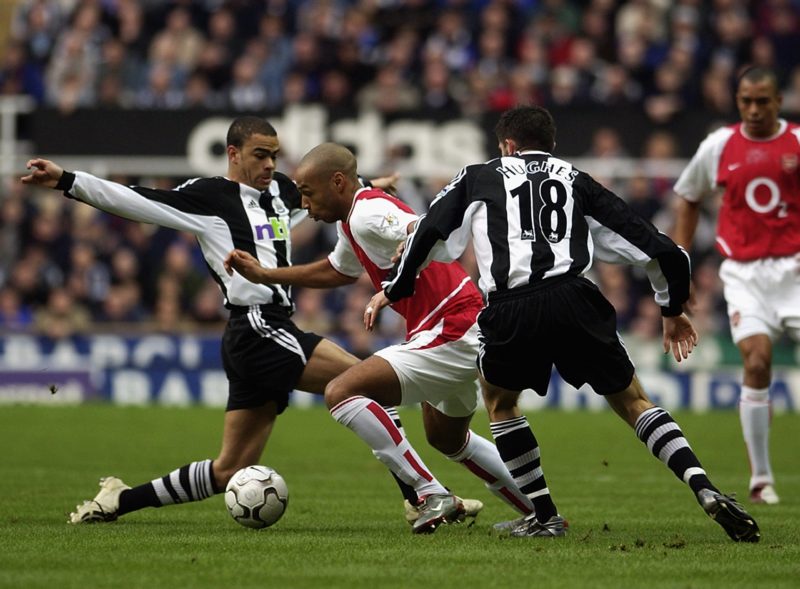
(531, 127)
(757, 73)
(243, 127)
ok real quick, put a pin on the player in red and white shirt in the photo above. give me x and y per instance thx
(435, 366)
(755, 164)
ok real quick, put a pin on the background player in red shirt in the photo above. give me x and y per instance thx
(755, 164)
(435, 366)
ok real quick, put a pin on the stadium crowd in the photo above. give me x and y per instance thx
(64, 270)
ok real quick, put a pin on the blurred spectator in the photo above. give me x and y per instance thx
(436, 93)
(206, 307)
(62, 317)
(666, 99)
(278, 48)
(71, 73)
(606, 144)
(732, 29)
(118, 70)
(14, 315)
(312, 314)
(199, 93)
(18, 75)
(37, 24)
(222, 31)
(779, 20)
(641, 197)
(564, 86)
(307, 59)
(246, 93)
(336, 92)
(11, 214)
(181, 273)
(179, 42)
(716, 92)
(162, 91)
(88, 280)
(213, 63)
(451, 40)
(388, 93)
(583, 59)
(120, 305)
(614, 87)
(131, 30)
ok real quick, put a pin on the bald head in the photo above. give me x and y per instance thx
(327, 180)
(328, 158)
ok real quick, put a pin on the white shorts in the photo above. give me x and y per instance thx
(445, 376)
(763, 297)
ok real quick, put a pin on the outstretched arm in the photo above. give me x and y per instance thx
(318, 274)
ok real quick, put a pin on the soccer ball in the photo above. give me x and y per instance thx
(256, 496)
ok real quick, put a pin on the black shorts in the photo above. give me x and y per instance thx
(264, 354)
(567, 323)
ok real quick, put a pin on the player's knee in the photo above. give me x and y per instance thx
(336, 391)
(758, 365)
(444, 441)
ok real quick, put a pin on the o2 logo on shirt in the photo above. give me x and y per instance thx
(762, 205)
(276, 230)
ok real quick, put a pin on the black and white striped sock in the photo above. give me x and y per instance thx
(665, 440)
(192, 482)
(520, 452)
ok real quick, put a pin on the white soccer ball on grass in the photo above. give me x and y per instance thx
(256, 496)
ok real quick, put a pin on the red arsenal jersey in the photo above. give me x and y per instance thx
(367, 240)
(760, 179)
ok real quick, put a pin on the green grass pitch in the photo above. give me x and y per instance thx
(632, 523)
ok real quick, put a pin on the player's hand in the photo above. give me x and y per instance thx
(387, 183)
(43, 173)
(245, 264)
(398, 253)
(679, 336)
(376, 303)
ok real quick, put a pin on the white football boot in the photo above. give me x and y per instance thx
(472, 507)
(103, 508)
(764, 494)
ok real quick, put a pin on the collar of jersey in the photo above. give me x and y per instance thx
(353, 205)
(782, 124)
(531, 151)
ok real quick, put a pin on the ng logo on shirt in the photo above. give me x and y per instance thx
(276, 229)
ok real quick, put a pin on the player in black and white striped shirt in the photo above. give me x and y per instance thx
(536, 224)
(264, 354)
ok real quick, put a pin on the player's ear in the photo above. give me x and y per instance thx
(233, 154)
(338, 181)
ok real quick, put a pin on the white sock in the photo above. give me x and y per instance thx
(754, 412)
(481, 457)
(372, 424)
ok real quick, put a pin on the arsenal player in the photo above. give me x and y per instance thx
(754, 165)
